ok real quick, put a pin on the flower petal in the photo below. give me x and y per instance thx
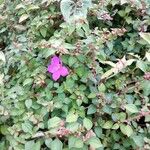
(53, 68)
(63, 71)
(56, 75)
(55, 60)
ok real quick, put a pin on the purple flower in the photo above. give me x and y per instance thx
(57, 69)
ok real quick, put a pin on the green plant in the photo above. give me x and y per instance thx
(104, 101)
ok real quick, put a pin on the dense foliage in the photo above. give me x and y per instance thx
(104, 101)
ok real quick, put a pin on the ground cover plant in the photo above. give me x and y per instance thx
(74, 74)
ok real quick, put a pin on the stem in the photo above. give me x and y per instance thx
(142, 114)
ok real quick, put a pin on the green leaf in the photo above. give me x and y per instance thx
(145, 36)
(110, 45)
(29, 145)
(2, 145)
(101, 88)
(72, 60)
(107, 74)
(17, 112)
(1, 2)
(54, 122)
(69, 46)
(72, 11)
(87, 123)
(92, 95)
(122, 116)
(122, 13)
(128, 20)
(1, 79)
(147, 118)
(71, 117)
(108, 125)
(33, 7)
(48, 52)
(37, 146)
(27, 81)
(131, 108)
(147, 55)
(56, 145)
(146, 87)
(115, 126)
(98, 131)
(19, 6)
(48, 142)
(139, 140)
(123, 1)
(2, 57)
(81, 71)
(107, 62)
(23, 18)
(28, 103)
(141, 65)
(126, 129)
(27, 127)
(4, 129)
(73, 127)
(91, 109)
(128, 9)
(43, 31)
(95, 142)
(129, 62)
(75, 142)
(69, 84)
